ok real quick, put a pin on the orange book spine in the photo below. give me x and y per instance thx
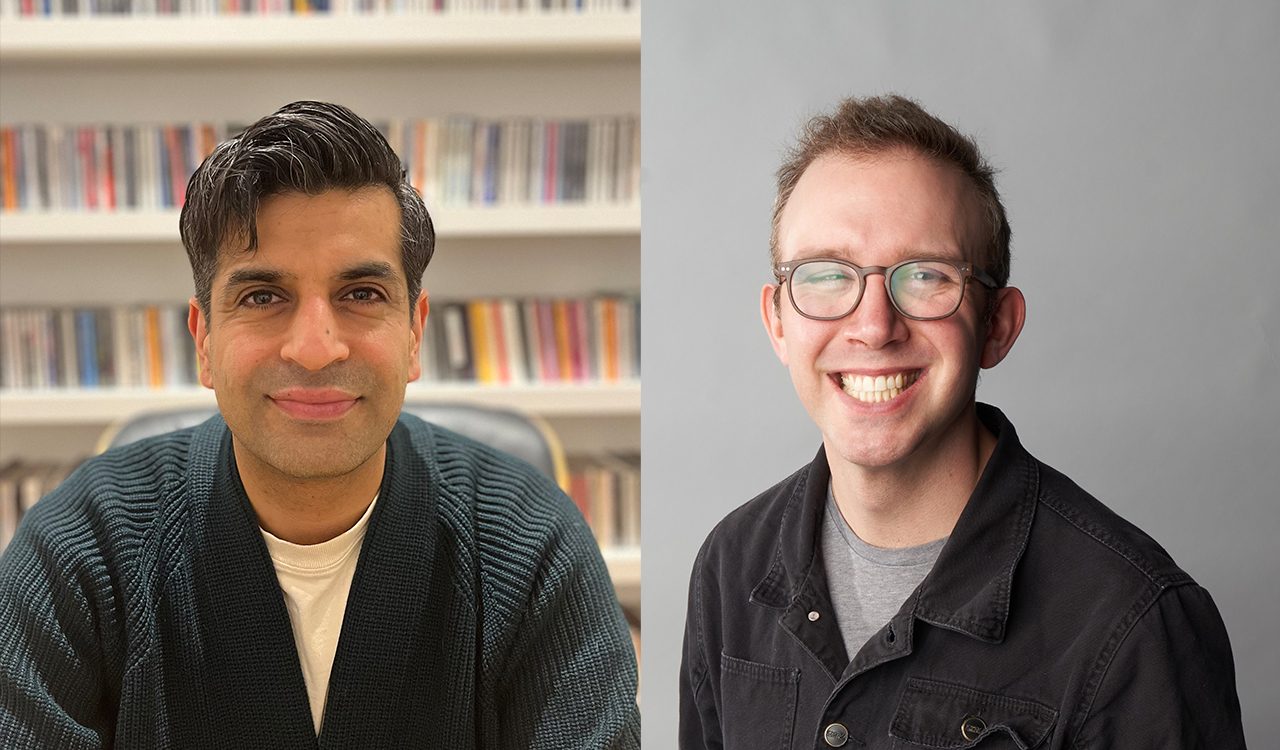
(610, 339)
(155, 358)
(208, 141)
(477, 315)
(10, 170)
(499, 342)
(176, 177)
(564, 349)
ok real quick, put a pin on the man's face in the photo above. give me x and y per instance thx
(309, 341)
(877, 212)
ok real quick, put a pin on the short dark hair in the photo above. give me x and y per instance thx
(874, 125)
(304, 147)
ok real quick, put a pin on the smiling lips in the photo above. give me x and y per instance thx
(314, 404)
(875, 389)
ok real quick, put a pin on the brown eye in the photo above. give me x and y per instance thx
(365, 294)
(261, 298)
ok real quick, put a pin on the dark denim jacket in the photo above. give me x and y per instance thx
(1047, 622)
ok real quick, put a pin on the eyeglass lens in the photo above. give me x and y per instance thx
(920, 289)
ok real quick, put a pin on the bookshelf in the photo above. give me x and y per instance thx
(185, 69)
(452, 222)
(524, 35)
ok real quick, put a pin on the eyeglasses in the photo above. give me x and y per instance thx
(920, 289)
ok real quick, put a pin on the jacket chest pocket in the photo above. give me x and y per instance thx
(943, 715)
(757, 704)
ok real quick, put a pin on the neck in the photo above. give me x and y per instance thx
(308, 511)
(919, 499)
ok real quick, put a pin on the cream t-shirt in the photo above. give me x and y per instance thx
(316, 579)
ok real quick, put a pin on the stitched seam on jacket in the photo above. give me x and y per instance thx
(1107, 656)
(1049, 501)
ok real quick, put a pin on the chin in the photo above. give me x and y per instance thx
(865, 452)
(314, 464)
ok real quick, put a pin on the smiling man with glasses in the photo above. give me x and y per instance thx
(925, 582)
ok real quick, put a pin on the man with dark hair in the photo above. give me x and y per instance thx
(925, 582)
(310, 568)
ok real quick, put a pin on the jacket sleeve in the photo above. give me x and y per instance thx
(1171, 683)
(569, 680)
(699, 717)
(51, 683)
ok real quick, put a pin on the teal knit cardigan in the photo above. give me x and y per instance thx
(139, 609)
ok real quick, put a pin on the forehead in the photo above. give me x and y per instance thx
(306, 234)
(897, 203)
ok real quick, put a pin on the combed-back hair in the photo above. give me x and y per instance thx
(872, 126)
(304, 147)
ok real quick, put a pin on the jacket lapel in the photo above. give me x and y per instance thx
(373, 682)
(254, 694)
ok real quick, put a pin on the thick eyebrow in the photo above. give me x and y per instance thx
(244, 276)
(370, 270)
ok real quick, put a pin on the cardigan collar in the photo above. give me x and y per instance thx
(255, 689)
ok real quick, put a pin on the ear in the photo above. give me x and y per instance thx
(418, 323)
(199, 327)
(1005, 325)
(771, 316)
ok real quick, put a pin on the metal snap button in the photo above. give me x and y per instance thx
(972, 727)
(813, 616)
(835, 734)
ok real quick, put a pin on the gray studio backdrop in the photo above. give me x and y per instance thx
(1140, 167)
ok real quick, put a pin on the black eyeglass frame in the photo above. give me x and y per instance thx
(784, 271)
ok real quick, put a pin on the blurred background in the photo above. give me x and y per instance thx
(1139, 165)
(517, 119)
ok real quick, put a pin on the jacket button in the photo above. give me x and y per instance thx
(835, 734)
(813, 616)
(971, 727)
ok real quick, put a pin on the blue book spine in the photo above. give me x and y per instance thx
(166, 183)
(87, 345)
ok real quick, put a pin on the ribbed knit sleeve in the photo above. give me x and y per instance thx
(66, 581)
(558, 670)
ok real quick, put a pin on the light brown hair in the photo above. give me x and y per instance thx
(873, 125)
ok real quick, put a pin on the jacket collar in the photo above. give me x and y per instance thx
(969, 587)
(244, 625)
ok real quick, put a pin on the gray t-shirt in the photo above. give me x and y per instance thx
(868, 584)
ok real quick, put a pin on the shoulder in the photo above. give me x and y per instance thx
(110, 499)
(747, 539)
(475, 475)
(1100, 536)
(512, 518)
(97, 535)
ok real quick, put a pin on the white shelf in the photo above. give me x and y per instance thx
(318, 36)
(451, 223)
(88, 406)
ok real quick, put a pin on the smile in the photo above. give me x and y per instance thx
(320, 404)
(879, 388)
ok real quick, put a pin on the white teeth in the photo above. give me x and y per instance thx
(877, 389)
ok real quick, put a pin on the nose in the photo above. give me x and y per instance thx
(313, 341)
(875, 322)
